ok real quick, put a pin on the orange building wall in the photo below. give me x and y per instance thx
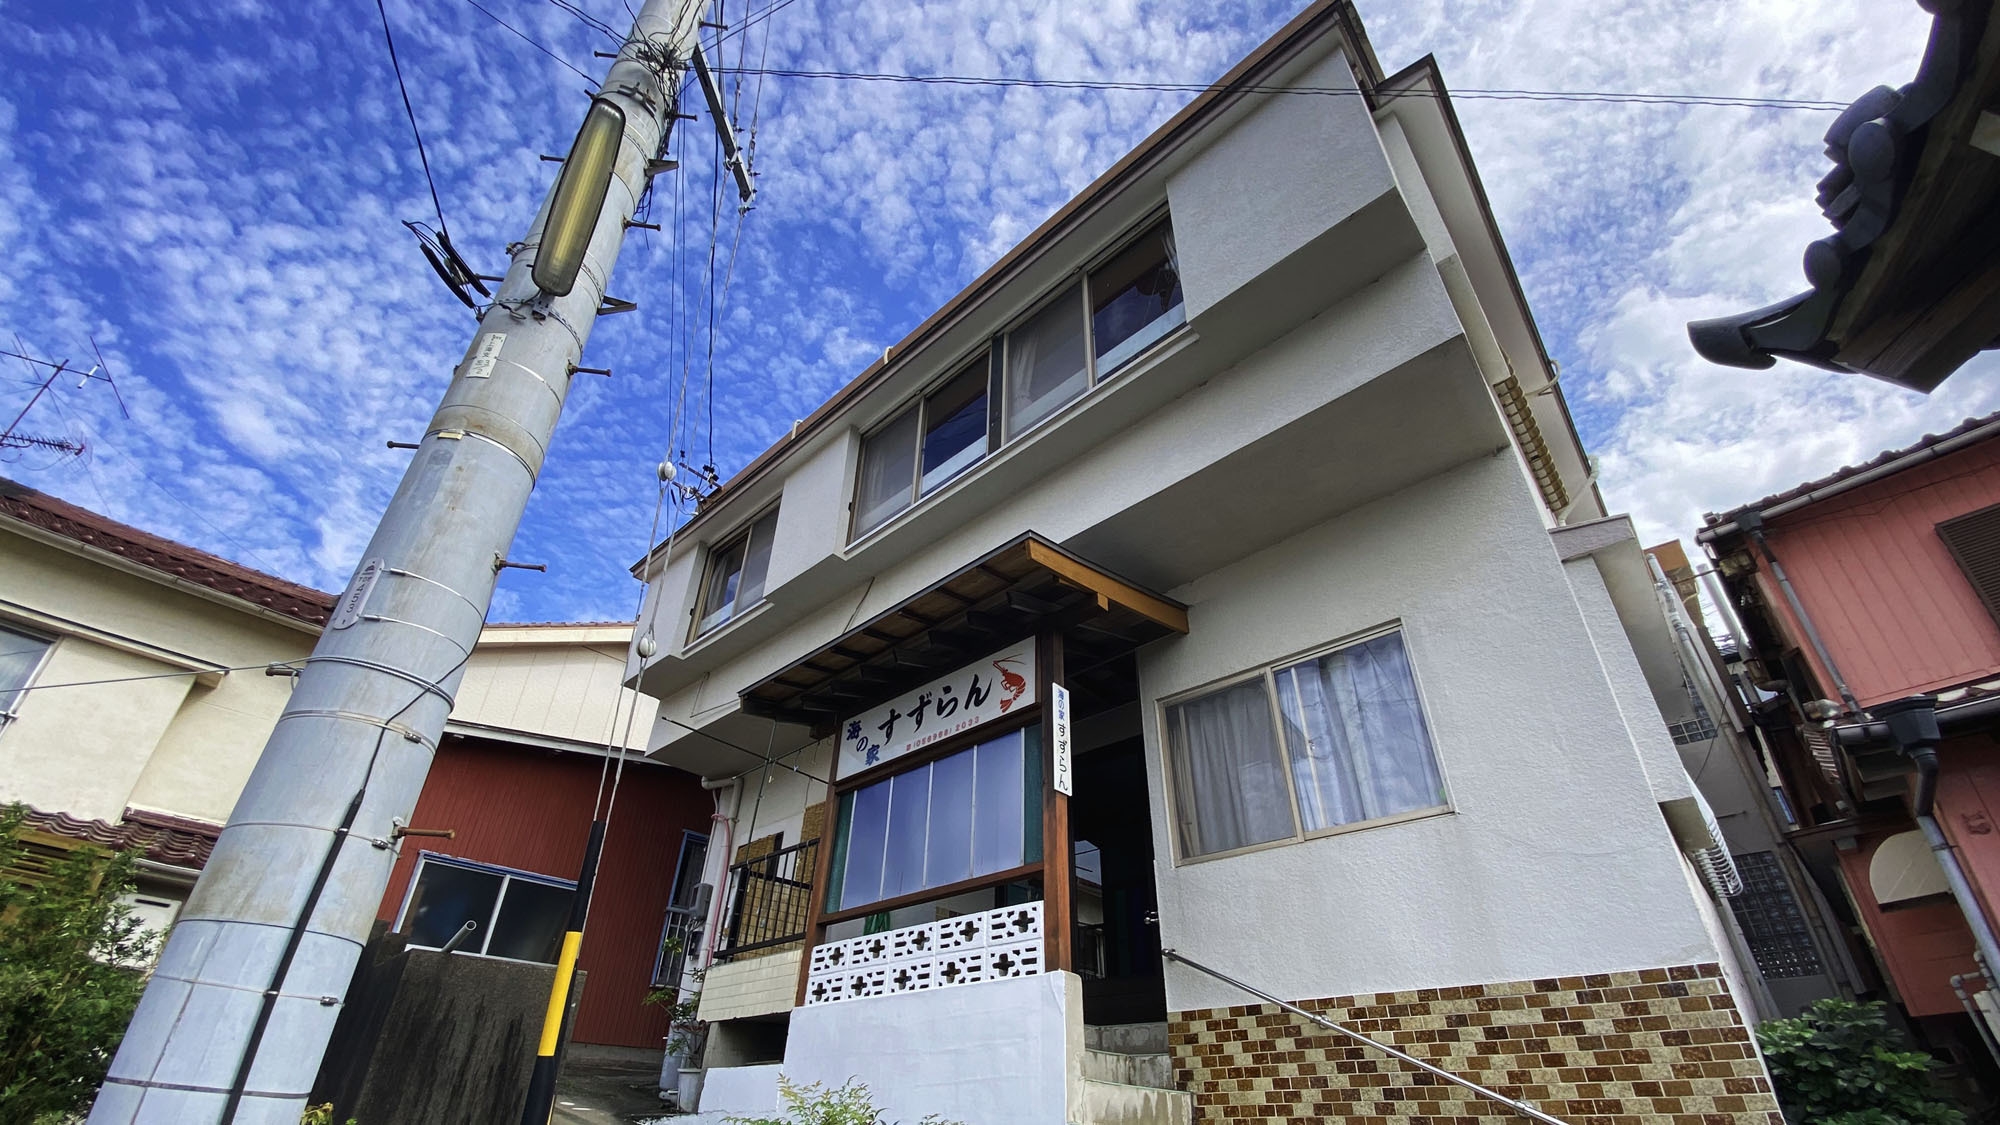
(1887, 597)
(531, 809)
(1923, 945)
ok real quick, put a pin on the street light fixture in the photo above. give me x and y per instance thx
(579, 198)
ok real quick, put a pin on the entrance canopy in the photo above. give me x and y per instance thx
(1025, 587)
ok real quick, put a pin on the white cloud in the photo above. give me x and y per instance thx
(215, 192)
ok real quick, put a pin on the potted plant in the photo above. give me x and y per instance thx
(686, 1034)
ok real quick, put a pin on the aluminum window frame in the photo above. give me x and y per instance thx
(485, 932)
(1267, 672)
(983, 353)
(711, 554)
(699, 927)
(11, 711)
(994, 348)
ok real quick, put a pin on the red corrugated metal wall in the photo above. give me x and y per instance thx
(1891, 603)
(530, 809)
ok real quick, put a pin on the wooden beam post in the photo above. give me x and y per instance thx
(1057, 851)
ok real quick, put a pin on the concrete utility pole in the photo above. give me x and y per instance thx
(238, 1013)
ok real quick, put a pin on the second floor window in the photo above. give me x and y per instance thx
(937, 438)
(736, 573)
(1093, 327)
(20, 654)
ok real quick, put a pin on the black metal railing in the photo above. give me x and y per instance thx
(680, 937)
(770, 900)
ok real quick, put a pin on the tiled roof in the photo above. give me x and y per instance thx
(164, 555)
(164, 839)
(1883, 458)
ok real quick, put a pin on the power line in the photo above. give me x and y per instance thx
(525, 38)
(1605, 96)
(422, 156)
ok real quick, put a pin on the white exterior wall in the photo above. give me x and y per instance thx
(562, 682)
(177, 744)
(1001, 1052)
(1554, 859)
(1637, 702)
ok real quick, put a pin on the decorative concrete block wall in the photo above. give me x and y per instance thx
(1651, 1047)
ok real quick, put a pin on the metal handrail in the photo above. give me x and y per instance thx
(1520, 1107)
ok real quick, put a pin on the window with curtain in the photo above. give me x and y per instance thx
(1301, 748)
(1093, 327)
(20, 654)
(968, 814)
(922, 448)
(1135, 299)
(736, 572)
(1045, 362)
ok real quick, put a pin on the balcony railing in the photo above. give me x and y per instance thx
(770, 901)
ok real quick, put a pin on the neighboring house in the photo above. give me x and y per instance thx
(134, 701)
(1867, 602)
(516, 778)
(1792, 938)
(133, 693)
(1907, 288)
(1217, 579)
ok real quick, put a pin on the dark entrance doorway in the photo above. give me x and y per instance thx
(1115, 905)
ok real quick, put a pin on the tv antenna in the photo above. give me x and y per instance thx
(14, 437)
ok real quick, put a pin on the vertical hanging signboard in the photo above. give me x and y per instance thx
(978, 693)
(1064, 773)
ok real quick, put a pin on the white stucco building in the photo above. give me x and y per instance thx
(1250, 461)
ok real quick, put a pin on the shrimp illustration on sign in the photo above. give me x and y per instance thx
(1014, 683)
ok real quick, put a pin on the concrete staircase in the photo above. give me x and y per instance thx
(1128, 1078)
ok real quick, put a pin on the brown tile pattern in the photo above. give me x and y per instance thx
(1649, 1047)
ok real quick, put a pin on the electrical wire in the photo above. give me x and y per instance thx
(422, 156)
(1730, 100)
(525, 38)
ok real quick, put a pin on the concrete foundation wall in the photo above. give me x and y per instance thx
(995, 1053)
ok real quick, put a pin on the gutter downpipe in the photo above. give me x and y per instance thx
(1913, 726)
(728, 826)
(1753, 523)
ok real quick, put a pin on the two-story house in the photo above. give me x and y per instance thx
(1868, 604)
(1215, 585)
(134, 700)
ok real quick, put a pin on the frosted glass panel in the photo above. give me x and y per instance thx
(997, 827)
(909, 812)
(951, 821)
(865, 835)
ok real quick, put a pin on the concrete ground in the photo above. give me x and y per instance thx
(608, 1086)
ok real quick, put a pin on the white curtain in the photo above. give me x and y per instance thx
(888, 472)
(1045, 366)
(1229, 783)
(1359, 748)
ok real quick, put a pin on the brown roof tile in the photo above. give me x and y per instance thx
(177, 560)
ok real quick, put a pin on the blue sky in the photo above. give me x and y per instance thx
(213, 192)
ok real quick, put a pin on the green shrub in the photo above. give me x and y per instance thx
(1840, 1064)
(66, 991)
(814, 1104)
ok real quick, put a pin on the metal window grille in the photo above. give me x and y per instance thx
(770, 901)
(1771, 919)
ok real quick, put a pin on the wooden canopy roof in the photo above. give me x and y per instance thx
(1025, 587)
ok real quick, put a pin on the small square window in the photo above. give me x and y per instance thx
(736, 573)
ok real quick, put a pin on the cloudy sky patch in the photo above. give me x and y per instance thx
(214, 194)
